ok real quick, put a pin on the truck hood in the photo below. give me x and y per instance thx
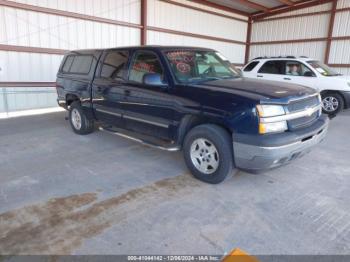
(263, 90)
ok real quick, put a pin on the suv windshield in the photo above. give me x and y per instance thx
(322, 68)
(195, 66)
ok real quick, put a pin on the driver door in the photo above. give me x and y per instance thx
(148, 109)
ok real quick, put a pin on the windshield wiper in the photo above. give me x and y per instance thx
(201, 79)
(210, 79)
(230, 77)
(335, 75)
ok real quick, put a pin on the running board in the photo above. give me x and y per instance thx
(170, 147)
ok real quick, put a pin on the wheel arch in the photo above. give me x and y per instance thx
(70, 98)
(189, 122)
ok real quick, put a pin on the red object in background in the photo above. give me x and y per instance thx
(144, 67)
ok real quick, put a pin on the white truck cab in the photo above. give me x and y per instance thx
(334, 87)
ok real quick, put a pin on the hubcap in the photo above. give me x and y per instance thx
(330, 104)
(76, 119)
(204, 156)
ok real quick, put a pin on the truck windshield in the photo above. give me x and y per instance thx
(196, 66)
(323, 69)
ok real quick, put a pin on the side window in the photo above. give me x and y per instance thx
(273, 67)
(68, 63)
(296, 68)
(81, 64)
(144, 63)
(251, 66)
(114, 65)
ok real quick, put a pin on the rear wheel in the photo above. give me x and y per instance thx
(332, 103)
(208, 153)
(78, 120)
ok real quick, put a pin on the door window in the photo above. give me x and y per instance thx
(81, 64)
(144, 63)
(114, 65)
(68, 64)
(251, 66)
(273, 67)
(295, 68)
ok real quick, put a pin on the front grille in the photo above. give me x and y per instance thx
(301, 105)
(303, 121)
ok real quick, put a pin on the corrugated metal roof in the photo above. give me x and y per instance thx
(233, 5)
(248, 6)
(262, 6)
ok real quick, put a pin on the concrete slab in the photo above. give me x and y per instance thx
(61, 193)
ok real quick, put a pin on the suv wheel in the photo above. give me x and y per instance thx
(78, 120)
(332, 103)
(208, 153)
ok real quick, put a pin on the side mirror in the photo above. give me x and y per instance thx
(308, 73)
(153, 79)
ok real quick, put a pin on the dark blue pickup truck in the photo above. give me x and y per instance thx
(192, 99)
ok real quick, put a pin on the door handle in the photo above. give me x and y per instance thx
(260, 76)
(287, 78)
(99, 89)
(127, 92)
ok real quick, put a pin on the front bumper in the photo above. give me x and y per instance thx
(259, 153)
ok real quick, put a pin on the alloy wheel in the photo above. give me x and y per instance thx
(204, 156)
(330, 103)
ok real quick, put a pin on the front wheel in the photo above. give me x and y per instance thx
(332, 103)
(208, 153)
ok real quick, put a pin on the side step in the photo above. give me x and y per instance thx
(159, 144)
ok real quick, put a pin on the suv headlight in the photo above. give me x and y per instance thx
(266, 111)
(270, 110)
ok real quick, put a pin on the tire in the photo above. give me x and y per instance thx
(198, 145)
(332, 103)
(79, 122)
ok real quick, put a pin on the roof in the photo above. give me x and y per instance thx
(144, 47)
(260, 8)
(163, 47)
(296, 58)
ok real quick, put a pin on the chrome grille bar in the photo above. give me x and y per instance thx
(305, 113)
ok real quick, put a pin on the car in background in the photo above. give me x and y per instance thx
(334, 87)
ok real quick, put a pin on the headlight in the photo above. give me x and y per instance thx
(265, 111)
(265, 128)
(270, 110)
(348, 84)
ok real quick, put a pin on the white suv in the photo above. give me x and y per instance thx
(334, 87)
